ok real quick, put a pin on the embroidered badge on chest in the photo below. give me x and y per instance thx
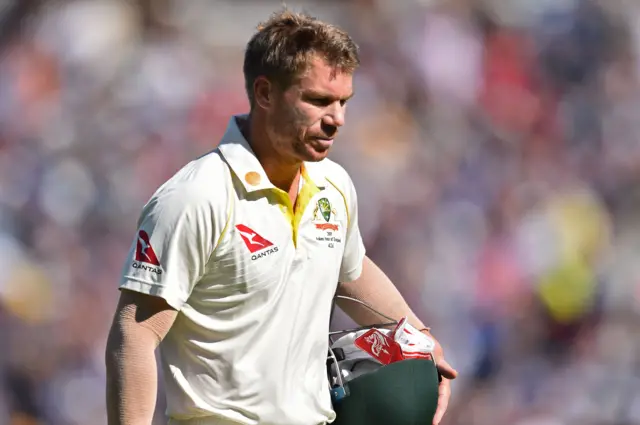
(325, 220)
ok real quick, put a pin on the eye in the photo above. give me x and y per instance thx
(321, 101)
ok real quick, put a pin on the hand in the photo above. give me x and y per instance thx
(447, 373)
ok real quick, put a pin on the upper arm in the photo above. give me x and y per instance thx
(140, 318)
(177, 233)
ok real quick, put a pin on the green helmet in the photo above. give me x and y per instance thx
(366, 392)
(401, 393)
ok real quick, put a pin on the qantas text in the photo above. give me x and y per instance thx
(264, 253)
(152, 269)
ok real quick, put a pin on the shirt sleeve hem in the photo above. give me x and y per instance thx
(171, 297)
(352, 274)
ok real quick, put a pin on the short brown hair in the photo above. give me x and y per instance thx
(283, 45)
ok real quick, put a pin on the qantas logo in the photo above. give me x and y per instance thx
(145, 257)
(251, 239)
(255, 242)
(144, 252)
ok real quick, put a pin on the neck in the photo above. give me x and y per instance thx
(282, 172)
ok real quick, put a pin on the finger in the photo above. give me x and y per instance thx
(444, 393)
(446, 370)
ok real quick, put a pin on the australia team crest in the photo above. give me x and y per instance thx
(324, 215)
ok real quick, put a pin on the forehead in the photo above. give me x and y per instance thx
(324, 78)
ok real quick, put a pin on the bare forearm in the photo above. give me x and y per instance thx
(376, 289)
(131, 381)
(140, 323)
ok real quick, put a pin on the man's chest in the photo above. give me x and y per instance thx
(266, 247)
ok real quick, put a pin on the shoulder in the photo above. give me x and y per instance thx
(202, 184)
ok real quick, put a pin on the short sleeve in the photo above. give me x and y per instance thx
(354, 250)
(176, 235)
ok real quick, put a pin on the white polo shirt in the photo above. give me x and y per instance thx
(253, 282)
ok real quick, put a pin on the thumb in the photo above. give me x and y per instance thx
(446, 370)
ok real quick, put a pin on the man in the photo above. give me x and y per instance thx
(236, 259)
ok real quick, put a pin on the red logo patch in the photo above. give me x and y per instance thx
(144, 251)
(382, 347)
(252, 240)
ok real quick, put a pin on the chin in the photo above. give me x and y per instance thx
(313, 155)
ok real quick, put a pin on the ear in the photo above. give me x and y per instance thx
(263, 91)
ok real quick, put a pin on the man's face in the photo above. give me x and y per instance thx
(305, 118)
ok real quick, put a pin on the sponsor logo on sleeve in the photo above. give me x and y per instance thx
(145, 257)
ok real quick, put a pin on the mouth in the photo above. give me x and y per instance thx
(322, 143)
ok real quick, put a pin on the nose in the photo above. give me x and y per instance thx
(335, 117)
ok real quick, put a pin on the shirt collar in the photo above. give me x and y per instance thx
(242, 160)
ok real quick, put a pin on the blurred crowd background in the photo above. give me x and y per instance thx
(495, 145)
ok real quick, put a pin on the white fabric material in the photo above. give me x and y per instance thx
(249, 344)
